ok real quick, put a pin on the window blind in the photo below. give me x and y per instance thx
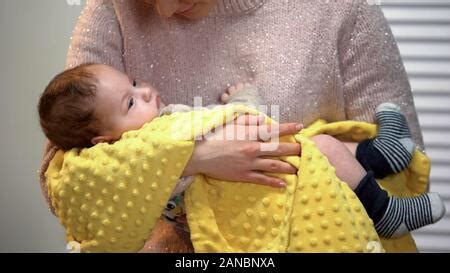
(422, 30)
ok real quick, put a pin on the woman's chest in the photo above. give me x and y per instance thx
(295, 74)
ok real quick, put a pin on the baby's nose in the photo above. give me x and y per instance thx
(146, 94)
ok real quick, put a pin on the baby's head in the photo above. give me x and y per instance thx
(93, 103)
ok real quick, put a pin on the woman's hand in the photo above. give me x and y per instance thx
(244, 160)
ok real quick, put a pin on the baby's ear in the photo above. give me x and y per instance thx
(101, 139)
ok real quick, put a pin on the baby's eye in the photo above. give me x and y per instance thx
(130, 103)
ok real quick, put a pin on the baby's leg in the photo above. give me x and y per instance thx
(392, 150)
(393, 217)
(347, 167)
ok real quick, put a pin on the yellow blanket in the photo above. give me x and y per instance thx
(109, 197)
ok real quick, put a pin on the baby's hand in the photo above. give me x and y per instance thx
(233, 90)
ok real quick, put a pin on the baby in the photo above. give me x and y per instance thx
(92, 103)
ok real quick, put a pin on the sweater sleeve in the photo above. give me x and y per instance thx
(372, 69)
(97, 36)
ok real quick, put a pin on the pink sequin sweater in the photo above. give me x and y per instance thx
(312, 59)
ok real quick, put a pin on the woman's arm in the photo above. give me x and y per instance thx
(372, 68)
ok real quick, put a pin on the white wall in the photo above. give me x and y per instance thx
(34, 40)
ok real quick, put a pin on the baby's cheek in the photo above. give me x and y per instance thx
(149, 116)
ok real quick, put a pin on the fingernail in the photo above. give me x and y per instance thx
(282, 184)
(299, 126)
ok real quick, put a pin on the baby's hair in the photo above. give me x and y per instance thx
(66, 108)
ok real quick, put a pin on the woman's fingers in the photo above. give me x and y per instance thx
(273, 131)
(273, 166)
(290, 128)
(247, 128)
(248, 119)
(279, 149)
(241, 161)
(262, 179)
(287, 128)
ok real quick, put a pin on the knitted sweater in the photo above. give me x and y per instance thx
(334, 60)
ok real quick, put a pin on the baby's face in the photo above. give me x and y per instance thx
(121, 103)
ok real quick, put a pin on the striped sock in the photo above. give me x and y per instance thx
(394, 138)
(406, 214)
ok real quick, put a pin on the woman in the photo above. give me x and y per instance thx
(334, 60)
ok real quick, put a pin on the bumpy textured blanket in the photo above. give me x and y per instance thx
(109, 197)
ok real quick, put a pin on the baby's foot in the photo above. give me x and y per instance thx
(407, 214)
(394, 138)
(234, 89)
